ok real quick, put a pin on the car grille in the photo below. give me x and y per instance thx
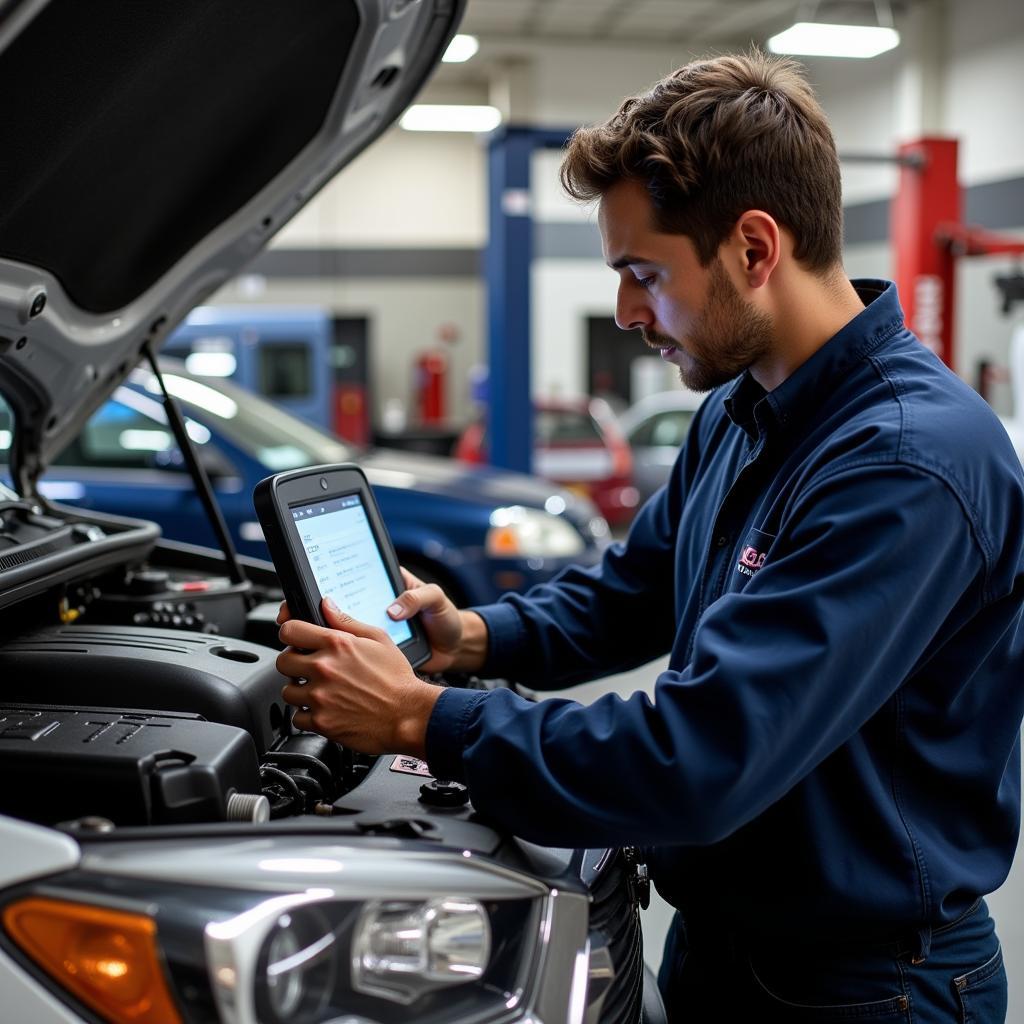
(616, 915)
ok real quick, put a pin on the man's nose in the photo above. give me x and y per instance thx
(631, 311)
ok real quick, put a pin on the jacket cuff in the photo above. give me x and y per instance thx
(506, 639)
(446, 731)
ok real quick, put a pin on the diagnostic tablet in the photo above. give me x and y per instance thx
(327, 539)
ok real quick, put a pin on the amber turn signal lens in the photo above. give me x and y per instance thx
(502, 541)
(106, 958)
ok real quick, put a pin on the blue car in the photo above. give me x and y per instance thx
(476, 531)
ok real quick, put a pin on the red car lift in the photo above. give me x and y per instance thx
(928, 235)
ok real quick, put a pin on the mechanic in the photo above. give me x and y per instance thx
(827, 778)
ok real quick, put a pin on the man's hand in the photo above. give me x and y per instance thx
(442, 621)
(360, 691)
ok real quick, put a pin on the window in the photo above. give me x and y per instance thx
(120, 437)
(130, 431)
(663, 429)
(285, 369)
(565, 426)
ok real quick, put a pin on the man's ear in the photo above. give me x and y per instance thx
(757, 245)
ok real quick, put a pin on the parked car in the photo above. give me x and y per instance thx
(656, 427)
(477, 534)
(579, 444)
(1015, 424)
(174, 850)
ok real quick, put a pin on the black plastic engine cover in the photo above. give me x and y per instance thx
(227, 681)
(133, 767)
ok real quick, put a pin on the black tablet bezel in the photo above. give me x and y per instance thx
(274, 499)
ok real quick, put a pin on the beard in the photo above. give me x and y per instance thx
(729, 336)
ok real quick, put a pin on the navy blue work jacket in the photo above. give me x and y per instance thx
(835, 568)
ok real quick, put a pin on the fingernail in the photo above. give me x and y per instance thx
(330, 604)
(396, 611)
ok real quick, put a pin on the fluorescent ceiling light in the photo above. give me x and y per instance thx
(814, 39)
(436, 117)
(460, 49)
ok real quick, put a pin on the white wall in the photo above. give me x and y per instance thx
(983, 89)
(408, 190)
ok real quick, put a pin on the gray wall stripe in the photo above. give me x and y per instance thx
(996, 205)
(368, 263)
(567, 242)
(866, 222)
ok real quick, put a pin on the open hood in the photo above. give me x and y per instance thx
(152, 148)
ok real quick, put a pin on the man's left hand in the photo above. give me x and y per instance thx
(360, 690)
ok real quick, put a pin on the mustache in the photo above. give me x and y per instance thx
(656, 340)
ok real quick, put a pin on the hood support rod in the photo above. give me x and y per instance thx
(199, 476)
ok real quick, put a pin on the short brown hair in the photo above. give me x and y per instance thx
(716, 138)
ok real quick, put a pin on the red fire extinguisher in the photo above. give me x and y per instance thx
(431, 368)
(351, 415)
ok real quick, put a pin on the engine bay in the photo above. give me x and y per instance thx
(140, 689)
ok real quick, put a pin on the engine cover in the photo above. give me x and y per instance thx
(135, 768)
(231, 682)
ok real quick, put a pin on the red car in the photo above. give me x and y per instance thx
(577, 443)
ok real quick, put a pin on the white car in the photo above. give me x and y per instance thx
(1015, 424)
(656, 427)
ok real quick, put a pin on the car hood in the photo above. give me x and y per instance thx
(159, 148)
(480, 484)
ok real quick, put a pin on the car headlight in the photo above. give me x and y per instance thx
(402, 950)
(310, 957)
(520, 532)
(364, 936)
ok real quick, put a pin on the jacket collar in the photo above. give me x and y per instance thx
(755, 410)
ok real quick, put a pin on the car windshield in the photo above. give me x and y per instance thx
(276, 439)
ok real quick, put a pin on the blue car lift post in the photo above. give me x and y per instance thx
(508, 259)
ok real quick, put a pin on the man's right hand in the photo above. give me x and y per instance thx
(458, 640)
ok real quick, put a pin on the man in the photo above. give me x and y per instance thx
(828, 776)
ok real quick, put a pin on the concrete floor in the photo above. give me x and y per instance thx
(1006, 904)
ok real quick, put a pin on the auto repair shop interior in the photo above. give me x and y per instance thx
(391, 276)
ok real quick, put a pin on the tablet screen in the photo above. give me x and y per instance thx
(346, 562)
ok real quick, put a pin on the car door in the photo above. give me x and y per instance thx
(126, 461)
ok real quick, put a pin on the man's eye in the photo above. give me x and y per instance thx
(645, 282)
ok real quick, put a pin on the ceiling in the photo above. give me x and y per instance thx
(616, 21)
(512, 31)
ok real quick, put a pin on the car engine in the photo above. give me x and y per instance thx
(140, 698)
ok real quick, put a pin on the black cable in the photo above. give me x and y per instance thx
(273, 781)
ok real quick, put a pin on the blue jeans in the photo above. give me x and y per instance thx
(710, 976)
